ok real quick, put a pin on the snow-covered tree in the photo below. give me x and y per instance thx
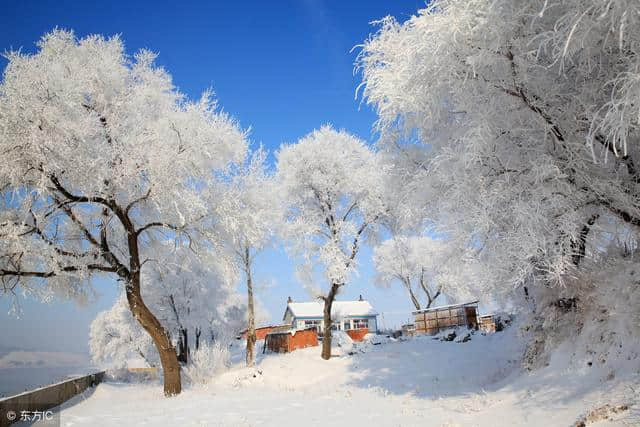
(253, 214)
(116, 337)
(515, 128)
(192, 296)
(98, 153)
(332, 185)
(416, 262)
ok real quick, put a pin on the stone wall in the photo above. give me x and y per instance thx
(45, 398)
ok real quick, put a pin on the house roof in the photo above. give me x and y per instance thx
(445, 307)
(339, 308)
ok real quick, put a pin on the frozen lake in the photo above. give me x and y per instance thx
(17, 380)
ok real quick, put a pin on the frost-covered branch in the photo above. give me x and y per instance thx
(540, 170)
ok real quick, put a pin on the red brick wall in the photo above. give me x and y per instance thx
(303, 339)
(285, 342)
(357, 334)
(262, 332)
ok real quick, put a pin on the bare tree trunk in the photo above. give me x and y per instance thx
(159, 335)
(183, 334)
(251, 326)
(425, 288)
(183, 355)
(431, 300)
(179, 348)
(326, 338)
(579, 247)
(168, 357)
(414, 300)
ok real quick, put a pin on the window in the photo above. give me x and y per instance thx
(347, 325)
(360, 323)
(312, 324)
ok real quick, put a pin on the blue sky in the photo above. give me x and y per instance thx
(281, 68)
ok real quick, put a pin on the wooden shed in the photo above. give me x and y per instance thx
(288, 341)
(432, 320)
(487, 323)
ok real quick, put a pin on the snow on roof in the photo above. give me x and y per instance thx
(339, 308)
(444, 307)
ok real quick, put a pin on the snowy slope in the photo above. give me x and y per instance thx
(396, 383)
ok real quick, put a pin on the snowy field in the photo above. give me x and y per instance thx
(420, 381)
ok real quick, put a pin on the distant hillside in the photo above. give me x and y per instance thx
(42, 359)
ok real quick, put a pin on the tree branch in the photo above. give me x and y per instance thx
(35, 229)
(133, 203)
(157, 224)
(47, 274)
(81, 199)
(354, 246)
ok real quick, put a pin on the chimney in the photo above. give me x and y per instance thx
(361, 298)
(289, 300)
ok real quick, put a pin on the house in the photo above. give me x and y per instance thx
(347, 315)
(432, 320)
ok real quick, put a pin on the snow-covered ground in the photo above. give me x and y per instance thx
(419, 381)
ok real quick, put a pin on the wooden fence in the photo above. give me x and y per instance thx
(44, 398)
(433, 320)
(487, 324)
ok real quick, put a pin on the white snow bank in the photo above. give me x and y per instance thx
(412, 382)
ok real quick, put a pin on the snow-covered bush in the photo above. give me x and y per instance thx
(124, 375)
(207, 361)
(115, 338)
(598, 331)
(343, 340)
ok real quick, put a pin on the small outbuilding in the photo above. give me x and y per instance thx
(487, 323)
(288, 341)
(432, 320)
